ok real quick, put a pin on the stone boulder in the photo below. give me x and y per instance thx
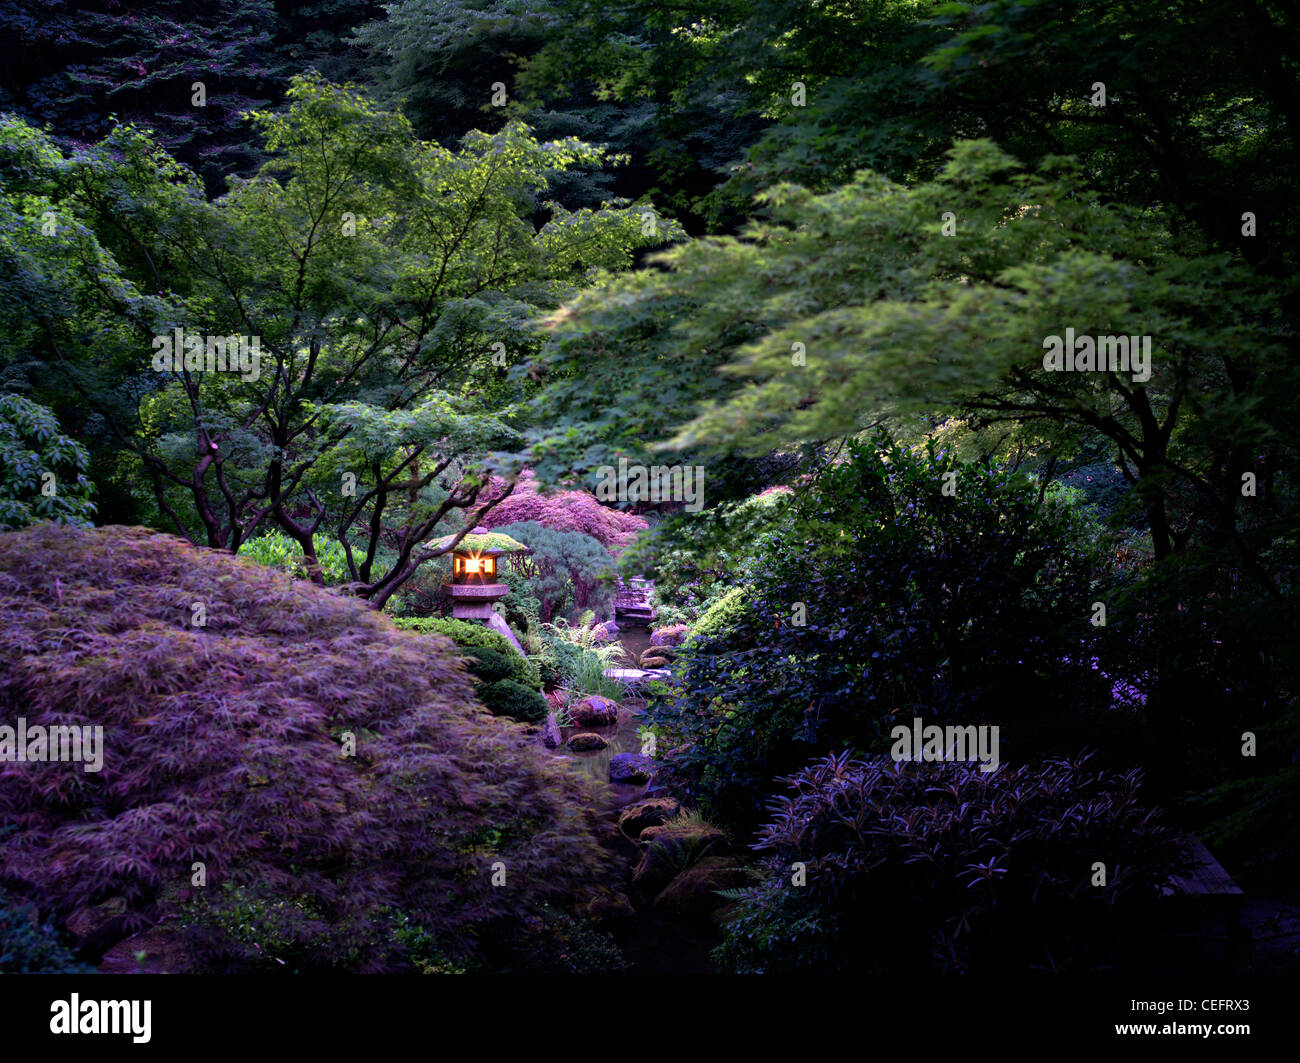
(551, 732)
(654, 812)
(672, 848)
(693, 892)
(673, 635)
(666, 653)
(586, 742)
(157, 950)
(630, 767)
(593, 711)
(610, 907)
(606, 632)
(649, 663)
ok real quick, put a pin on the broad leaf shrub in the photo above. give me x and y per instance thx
(970, 607)
(222, 746)
(942, 867)
(32, 450)
(277, 550)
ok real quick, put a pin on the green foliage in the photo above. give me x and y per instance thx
(30, 946)
(442, 57)
(565, 944)
(1251, 818)
(307, 852)
(523, 609)
(505, 697)
(42, 472)
(969, 606)
(720, 621)
(695, 558)
(565, 570)
(898, 882)
(476, 637)
(377, 273)
(276, 550)
(576, 661)
(489, 665)
(260, 933)
(421, 948)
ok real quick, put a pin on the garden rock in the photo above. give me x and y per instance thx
(671, 850)
(594, 711)
(673, 635)
(631, 767)
(693, 891)
(642, 814)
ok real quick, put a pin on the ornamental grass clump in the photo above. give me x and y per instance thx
(273, 746)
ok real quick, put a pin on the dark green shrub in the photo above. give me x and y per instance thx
(30, 946)
(221, 745)
(1255, 828)
(970, 607)
(696, 558)
(505, 697)
(31, 446)
(489, 665)
(942, 867)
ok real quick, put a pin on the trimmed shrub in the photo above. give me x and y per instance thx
(221, 744)
(505, 697)
(942, 867)
(474, 637)
(489, 665)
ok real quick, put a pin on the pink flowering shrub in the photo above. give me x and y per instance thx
(571, 511)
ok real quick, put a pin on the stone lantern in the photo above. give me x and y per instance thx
(474, 568)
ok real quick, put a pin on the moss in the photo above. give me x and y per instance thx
(477, 544)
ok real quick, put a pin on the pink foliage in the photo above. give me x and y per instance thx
(576, 511)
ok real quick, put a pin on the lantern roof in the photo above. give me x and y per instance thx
(482, 542)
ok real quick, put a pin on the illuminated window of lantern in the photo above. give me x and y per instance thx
(463, 565)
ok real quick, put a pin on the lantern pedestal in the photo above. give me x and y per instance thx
(473, 601)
